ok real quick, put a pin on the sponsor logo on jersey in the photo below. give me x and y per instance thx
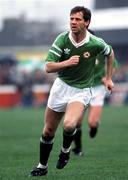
(67, 51)
(86, 55)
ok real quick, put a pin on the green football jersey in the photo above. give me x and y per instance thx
(100, 71)
(64, 46)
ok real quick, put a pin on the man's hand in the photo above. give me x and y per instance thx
(108, 83)
(73, 61)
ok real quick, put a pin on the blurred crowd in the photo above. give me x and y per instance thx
(121, 74)
(24, 81)
(10, 74)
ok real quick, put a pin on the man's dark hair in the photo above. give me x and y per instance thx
(86, 12)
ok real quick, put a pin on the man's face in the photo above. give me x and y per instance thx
(77, 23)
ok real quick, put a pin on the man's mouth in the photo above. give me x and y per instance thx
(74, 27)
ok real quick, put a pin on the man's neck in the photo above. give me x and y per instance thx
(79, 37)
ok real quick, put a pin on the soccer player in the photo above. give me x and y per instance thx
(96, 104)
(72, 56)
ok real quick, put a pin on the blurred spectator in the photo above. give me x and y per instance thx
(41, 77)
(126, 99)
(121, 74)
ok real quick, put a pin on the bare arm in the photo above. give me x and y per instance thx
(109, 71)
(52, 67)
(110, 61)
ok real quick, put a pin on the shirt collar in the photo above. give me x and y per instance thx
(85, 40)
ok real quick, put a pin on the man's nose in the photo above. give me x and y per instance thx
(73, 21)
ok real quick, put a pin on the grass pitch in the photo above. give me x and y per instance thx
(106, 156)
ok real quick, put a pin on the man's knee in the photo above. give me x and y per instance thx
(48, 131)
(69, 126)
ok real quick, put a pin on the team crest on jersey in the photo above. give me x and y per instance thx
(66, 51)
(86, 55)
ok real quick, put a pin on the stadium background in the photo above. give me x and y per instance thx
(24, 44)
(24, 88)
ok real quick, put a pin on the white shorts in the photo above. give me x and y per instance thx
(98, 95)
(62, 94)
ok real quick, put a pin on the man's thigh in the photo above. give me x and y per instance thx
(74, 112)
